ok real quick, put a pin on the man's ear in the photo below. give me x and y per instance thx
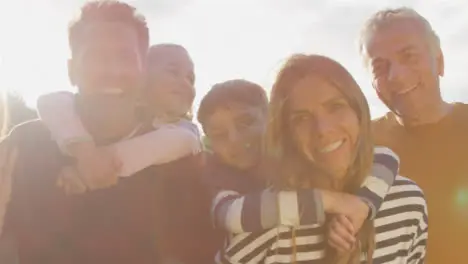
(71, 72)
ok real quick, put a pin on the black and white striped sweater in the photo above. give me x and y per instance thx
(401, 234)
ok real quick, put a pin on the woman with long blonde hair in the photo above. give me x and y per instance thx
(320, 135)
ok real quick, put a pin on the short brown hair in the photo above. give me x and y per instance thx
(233, 91)
(108, 11)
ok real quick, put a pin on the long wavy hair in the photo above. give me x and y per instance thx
(297, 171)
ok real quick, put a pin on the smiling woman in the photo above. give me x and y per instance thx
(324, 127)
(321, 126)
(320, 135)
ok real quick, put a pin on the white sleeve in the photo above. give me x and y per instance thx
(167, 143)
(57, 110)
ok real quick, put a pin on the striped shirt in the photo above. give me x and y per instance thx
(401, 233)
(238, 213)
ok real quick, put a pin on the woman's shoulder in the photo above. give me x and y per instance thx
(403, 184)
(405, 202)
(405, 194)
(405, 181)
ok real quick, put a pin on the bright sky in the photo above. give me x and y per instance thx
(226, 38)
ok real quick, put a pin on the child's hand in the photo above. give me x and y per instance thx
(70, 181)
(97, 167)
(351, 206)
(341, 234)
(355, 210)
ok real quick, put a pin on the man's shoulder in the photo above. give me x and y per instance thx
(29, 129)
(461, 112)
(462, 106)
(187, 170)
(31, 137)
(383, 129)
(384, 122)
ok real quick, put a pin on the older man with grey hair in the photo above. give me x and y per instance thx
(403, 54)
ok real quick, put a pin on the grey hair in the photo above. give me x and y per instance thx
(386, 16)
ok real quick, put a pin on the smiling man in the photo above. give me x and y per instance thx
(109, 43)
(404, 56)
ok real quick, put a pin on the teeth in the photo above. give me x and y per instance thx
(332, 147)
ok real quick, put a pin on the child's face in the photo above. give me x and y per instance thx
(235, 132)
(171, 82)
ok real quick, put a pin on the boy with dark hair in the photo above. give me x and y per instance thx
(236, 104)
(238, 90)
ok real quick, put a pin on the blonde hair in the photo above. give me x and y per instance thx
(297, 170)
(386, 16)
(155, 52)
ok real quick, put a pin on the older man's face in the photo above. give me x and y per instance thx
(405, 70)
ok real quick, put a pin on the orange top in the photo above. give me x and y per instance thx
(436, 157)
